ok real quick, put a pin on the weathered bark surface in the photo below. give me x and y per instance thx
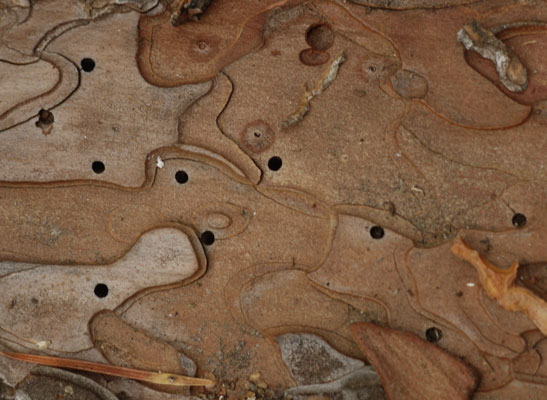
(271, 173)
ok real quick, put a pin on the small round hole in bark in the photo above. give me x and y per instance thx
(181, 177)
(377, 232)
(101, 290)
(98, 167)
(433, 335)
(207, 238)
(275, 163)
(519, 220)
(88, 64)
(45, 117)
(320, 37)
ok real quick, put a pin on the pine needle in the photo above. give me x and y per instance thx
(160, 378)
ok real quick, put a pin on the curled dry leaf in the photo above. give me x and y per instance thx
(499, 284)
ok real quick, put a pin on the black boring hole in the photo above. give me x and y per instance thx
(98, 167)
(181, 177)
(433, 335)
(519, 220)
(101, 290)
(87, 64)
(377, 232)
(275, 163)
(208, 238)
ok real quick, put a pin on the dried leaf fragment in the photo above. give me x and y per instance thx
(498, 284)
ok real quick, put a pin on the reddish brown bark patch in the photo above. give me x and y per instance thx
(411, 368)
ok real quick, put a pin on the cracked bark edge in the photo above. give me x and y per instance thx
(191, 8)
(323, 83)
(512, 73)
